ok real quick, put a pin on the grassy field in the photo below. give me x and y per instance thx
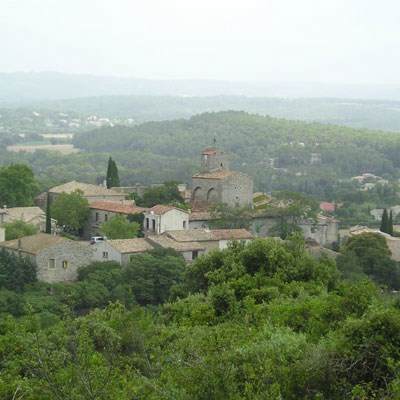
(63, 148)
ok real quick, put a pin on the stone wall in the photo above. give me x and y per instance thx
(68, 256)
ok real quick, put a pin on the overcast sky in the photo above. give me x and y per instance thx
(344, 41)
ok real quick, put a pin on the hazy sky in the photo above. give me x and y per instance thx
(347, 41)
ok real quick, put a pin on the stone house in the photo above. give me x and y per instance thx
(119, 250)
(57, 258)
(323, 230)
(216, 183)
(392, 242)
(102, 211)
(91, 193)
(190, 250)
(161, 218)
(31, 215)
(211, 239)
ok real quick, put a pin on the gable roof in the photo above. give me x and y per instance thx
(199, 216)
(117, 207)
(135, 245)
(35, 243)
(87, 189)
(209, 235)
(161, 209)
(26, 214)
(167, 242)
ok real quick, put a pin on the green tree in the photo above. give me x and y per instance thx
(385, 222)
(112, 178)
(70, 210)
(165, 194)
(390, 232)
(151, 276)
(374, 256)
(18, 229)
(293, 207)
(225, 217)
(18, 186)
(118, 227)
(15, 272)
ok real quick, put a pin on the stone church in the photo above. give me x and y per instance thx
(217, 183)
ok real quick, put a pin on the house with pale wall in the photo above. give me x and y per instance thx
(323, 230)
(102, 211)
(57, 258)
(392, 242)
(119, 250)
(190, 250)
(211, 239)
(161, 218)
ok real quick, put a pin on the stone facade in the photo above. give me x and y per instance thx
(102, 211)
(57, 258)
(324, 230)
(216, 183)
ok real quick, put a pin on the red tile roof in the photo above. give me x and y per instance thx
(209, 151)
(117, 207)
(326, 206)
(161, 209)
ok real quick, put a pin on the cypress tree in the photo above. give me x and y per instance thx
(390, 231)
(48, 214)
(385, 222)
(112, 179)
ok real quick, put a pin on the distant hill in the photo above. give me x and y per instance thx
(371, 114)
(28, 86)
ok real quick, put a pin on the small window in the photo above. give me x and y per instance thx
(105, 218)
(195, 254)
(97, 217)
(65, 264)
(52, 263)
(154, 225)
(147, 223)
(184, 224)
(105, 254)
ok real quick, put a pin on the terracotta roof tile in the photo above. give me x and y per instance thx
(35, 243)
(167, 242)
(200, 235)
(117, 207)
(161, 209)
(136, 245)
(227, 234)
(210, 151)
(199, 215)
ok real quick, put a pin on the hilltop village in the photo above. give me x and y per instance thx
(189, 231)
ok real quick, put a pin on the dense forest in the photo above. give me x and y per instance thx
(264, 321)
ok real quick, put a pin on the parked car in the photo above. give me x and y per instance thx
(96, 239)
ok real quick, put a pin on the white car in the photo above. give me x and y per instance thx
(96, 239)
